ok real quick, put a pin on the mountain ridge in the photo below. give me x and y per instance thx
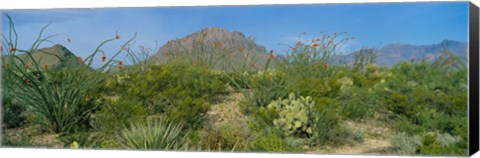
(393, 53)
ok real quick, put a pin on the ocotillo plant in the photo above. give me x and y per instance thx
(313, 58)
(139, 59)
(60, 98)
(363, 57)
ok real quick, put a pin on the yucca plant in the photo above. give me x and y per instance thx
(59, 98)
(159, 134)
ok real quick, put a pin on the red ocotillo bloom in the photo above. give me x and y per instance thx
(272, 56)
(13, 49)
(120, 64)
(104, 58)
(241, 49)
(204, 33)
(79, 59)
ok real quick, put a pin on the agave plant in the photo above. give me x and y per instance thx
(154, 134)
(59, 98)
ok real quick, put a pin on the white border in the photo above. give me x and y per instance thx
(66, 153)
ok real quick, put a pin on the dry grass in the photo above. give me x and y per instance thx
(376, 140)
(228, 112)
(37, 138)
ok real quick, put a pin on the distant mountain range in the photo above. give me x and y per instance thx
(393, 53)
(238, 42)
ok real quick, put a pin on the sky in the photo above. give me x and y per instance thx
(273, 26)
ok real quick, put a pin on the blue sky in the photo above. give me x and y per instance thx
(374, 24)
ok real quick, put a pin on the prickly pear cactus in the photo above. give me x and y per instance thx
(293, 114)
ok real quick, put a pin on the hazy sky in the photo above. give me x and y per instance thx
(374, 24)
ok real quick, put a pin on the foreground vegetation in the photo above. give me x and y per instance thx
(300, 103)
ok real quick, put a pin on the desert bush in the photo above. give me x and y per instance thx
(325, 127)
(264, 116)
(23, 141)
(190, 111)
(224, 137)
(263, 88)
(405, 144)
(327, 87)
(117, 112)
(78, 139)
(427, 96)
(176, 76)
(271, 141)
(357, 103)
(180, 90)
(346, 134)
(156, 134)
(13, 113)
(442, 144)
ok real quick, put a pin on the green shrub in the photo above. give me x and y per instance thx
(442, 144)
(405, 144)
(339, 134)
(357, 103)
(314, 87)
(156, 134)
(264, 87)
(23, 141)
(13, 114)
(172, 81)
(222, 138)
(180, 90)
(270, 141)
(190, 111)
(116, 112)
(264, 116)
(326, 127)
(403, 124)
(80, 138)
